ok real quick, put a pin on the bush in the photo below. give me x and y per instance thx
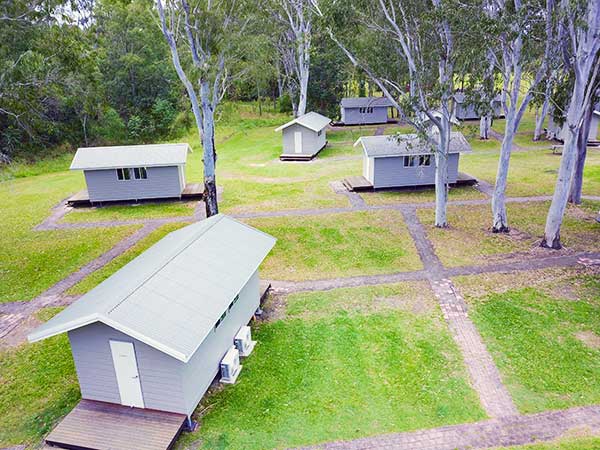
(285, 104)
(109, 128)
(163, 115)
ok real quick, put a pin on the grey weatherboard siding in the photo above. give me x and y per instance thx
(353, 116)
(311, 141)
(167, 383)
(390, 172)
(162, 182)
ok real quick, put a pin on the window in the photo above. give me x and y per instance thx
(123, 174)
(220, 320)
(417, 161)
(140, 173)
(320, 133)
(137, 173)
(233, 302)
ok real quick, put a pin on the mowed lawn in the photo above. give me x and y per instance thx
(342, 364)
(136, 211)
(32, 261)
(469, 239)
(338, 245)
(545, 340)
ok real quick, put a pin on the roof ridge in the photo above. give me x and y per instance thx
(167, 261)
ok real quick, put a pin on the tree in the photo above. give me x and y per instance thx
(421, 34)
(294, 45)
(515, 49)
(580, 38)
(208, 36)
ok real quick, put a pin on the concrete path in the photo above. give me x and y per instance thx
(501, 432)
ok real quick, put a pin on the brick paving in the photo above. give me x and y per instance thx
(505, 431)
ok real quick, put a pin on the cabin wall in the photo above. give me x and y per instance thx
(353, 116)
(162, 182)
(390, 172)
(465, 111)
(594, 134)
(160, 374)
(204, 365)
(311, 141)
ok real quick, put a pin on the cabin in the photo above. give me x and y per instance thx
(153, 335)
(560, 132)
(304, 137)
(465, 110)
(364, 110)
(406, 160)
(133, 172)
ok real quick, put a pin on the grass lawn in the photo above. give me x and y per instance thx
(38, 387)
(418, 195)
(133, 211)
(338, 245)
(470, 241)
(547, 347)
(103, 273)
(32, 261)
(345, 374)
(569, 443)
(532, 172)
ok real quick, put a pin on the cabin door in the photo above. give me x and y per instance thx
(298, 141)
(128, 377)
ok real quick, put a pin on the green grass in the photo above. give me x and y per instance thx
(470, 241)
(103, 273)
(419, 195)
(32, 261)
(340, 376)
(338, 245)
(547, 348)
(133, 211)
(38, 386)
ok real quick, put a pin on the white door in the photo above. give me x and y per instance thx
(298, 141)
(128, 377)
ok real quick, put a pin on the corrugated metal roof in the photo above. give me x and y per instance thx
(312, 120)
(130, 156)
(362, 102)
(408, 144)
(171, 296)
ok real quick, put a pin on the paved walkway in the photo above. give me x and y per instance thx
(505, 431)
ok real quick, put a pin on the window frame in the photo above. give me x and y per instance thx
(123, 171)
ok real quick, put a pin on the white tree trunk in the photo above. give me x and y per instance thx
(209, 152)
(441, 178)
(540, 116)
(485, 123)
(499, 215)
(577, 182)
(303, 74)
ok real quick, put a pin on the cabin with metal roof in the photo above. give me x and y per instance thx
(304, 137)
(133, 172)
(466, 109)
(152, 335)
(364, 110)
(403, 160)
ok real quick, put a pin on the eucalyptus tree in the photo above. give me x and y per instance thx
(580, 39)
(410, 40)
(514, 31)
(205, 38)
(294, 43)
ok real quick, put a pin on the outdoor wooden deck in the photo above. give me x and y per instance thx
(192, 190)
(357, 184)
(300, 156)
(105, 426)
(79, 199)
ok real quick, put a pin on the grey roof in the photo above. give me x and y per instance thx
(361, 102)
(312, 120)
(461, 97)
(130, 156)
(171, 296)
(407, 144)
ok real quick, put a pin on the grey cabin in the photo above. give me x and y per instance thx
(153, 335)
(364, 110)
(465, 110)
(560, 132)
(406, 160)
(133, 172)
(304, 137)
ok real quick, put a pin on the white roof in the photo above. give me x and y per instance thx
(312, 120)
(130, 156)
(359, 102)
(407, 144)
(171, 296)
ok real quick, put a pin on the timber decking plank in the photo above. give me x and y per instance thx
(99, 425)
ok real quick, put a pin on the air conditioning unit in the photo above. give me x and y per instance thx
(230, 366)
(243, 341)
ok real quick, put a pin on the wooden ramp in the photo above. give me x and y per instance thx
(79, 199)
(106, 426)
